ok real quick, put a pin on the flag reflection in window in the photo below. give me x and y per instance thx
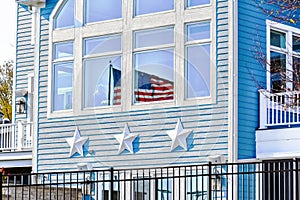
(102, 71)
(154, 65)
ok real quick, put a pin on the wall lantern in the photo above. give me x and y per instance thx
(21, 105)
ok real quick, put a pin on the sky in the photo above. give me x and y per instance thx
(8, 30)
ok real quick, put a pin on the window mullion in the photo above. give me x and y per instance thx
(79, 13)
(77, 76)
(289, 61)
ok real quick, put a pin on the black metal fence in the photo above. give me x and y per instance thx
(268, 180)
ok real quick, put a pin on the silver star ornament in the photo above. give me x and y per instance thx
(76, 143)
(125, 139)
(178, 136)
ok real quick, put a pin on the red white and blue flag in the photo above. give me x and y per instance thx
(149, 88)
(153, 88)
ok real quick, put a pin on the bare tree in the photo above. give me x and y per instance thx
(280, 10)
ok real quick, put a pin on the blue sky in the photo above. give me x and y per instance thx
(8, 30)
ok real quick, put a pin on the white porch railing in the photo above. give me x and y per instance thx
(15, 137)
(279, 108)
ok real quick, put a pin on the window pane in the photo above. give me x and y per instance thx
(63, 50)
(101, 10)
(65, 18)
(152, 6)
(63, 86)
(154, 76)
(296, 44)
(198, 31)
(278, 72)
(102, 81)
(278, 39)
(198, 71)
(154, 37)
(197, 2)
(102, 44)
(296, 73)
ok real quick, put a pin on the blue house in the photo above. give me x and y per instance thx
(128, 84)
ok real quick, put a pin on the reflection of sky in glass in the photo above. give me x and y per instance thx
(278, 39)
(102, 44)
(296, 44)
(159, 63)
(63, 86)
(101, 10)
(96, 78)
(154, 37)
(198, 71)
(152, 6)
(197, 2)
(63, 50)
(198, 31)
(65, 18)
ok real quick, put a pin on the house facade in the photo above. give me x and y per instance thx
(268, 64)
(128, 84)
(135, 84)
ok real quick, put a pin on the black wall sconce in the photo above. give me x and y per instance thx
(21, 105)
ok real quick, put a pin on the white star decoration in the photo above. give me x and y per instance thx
(76, 142)
(178, 136)
(125, 139)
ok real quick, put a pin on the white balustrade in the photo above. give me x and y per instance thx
(15, 137)
(279, 108)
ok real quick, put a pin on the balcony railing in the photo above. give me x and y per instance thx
(279, 108)
(15, 137)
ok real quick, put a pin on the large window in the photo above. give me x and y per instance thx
(284, 57)
(101, 10)
(197, 72)
(154, 65)
(63, 76)
(65, 17)
(102, 71)
(196, 2)
(151, 6)
(115, 55)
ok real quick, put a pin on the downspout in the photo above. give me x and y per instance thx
(233, 82)
(35, 39)
(233, 92)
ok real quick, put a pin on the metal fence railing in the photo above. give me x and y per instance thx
(269, 180)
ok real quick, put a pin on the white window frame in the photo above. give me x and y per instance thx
(126, 26)
(289, 31)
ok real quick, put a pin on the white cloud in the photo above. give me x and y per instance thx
(8, 30)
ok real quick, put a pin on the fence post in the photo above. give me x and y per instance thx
(209, 192)
(1, 187)
(296, 161)
(111, 183)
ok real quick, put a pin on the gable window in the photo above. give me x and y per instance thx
(65, 17)
(102, 71)
(154, 65)
(282, 50)
(197, 2)
(101, 10)
(152, 6)
(114, 55)
(197, 70)
(63, 76)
